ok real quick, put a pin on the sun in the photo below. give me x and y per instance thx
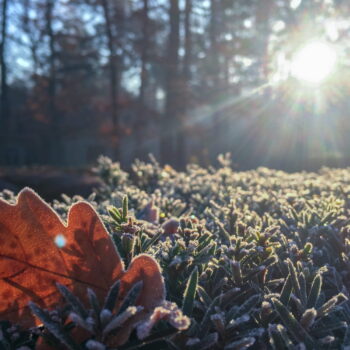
(314, 62)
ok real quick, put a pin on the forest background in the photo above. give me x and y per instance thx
(184, 80)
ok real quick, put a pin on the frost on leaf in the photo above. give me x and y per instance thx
(167, 311)
(32, 263)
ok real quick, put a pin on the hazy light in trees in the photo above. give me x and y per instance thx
(331, 28)
(279, 26)
(294, 4)
(314, 62)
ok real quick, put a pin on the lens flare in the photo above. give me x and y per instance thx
(314, 62)
(60, 241)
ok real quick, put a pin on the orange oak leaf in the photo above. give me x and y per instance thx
(37, 250)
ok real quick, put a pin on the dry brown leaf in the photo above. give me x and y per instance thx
(33, 259)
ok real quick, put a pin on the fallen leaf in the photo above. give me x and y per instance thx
(37, 250)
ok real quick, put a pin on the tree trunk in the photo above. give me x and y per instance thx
(141, 122)
(33, 42)
(4, 101)
(214, 64)
(186, 91)
(114, 85)
(144, 52)
(5, 108)
(170, 123)
(56, 150)
(188, 41)
(263, 15)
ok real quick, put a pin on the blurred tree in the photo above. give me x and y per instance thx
(56, 147)
(186, 91)
(170, 120)
(86, 67)
(5, 108)
(114, 84)
(145, 46)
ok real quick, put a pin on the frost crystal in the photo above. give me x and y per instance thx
(167, 311)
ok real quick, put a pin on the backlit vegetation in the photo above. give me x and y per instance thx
(256, 259)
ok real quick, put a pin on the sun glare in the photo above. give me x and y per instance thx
(314, 62)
